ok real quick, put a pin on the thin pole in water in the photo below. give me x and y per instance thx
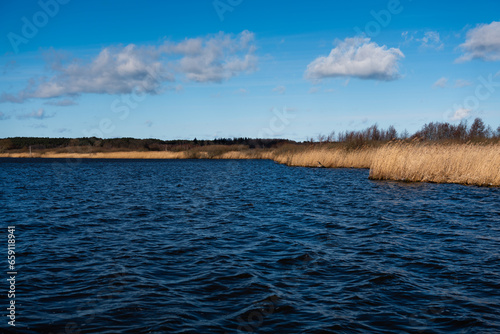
(30, 152)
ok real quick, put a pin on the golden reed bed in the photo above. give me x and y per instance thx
(454, 163)
(412, 162)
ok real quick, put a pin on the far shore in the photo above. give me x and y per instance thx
(462, 163)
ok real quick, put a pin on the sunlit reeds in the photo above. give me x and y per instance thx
(443, 163)
(464, 163)
(324, 157)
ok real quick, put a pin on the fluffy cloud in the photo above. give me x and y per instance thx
(116, 70)
(441, 82)
(482, 42)
(357, 57)
(144, 69)
(217, 59)
(36, 114)
(460, 114)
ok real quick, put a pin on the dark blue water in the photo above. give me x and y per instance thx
(198, 246)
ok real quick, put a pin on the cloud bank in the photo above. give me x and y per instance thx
(359, 58)
(482, 42)
(144, 69)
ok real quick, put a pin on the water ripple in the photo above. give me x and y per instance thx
(194, 246)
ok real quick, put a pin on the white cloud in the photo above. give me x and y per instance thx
(219, 58)
(431, 39)
(37, 114)
(144, 69)
(441, 82)
(460, 114)
(462, 83)
(280, 89)
(482, 42)
(116, 70)
(357, 57)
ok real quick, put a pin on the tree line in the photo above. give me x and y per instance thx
(434, 131)
(130, 144)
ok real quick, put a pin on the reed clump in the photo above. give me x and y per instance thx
(464, 163)
(337, 157)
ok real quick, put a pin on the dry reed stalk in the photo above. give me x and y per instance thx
(453, 163)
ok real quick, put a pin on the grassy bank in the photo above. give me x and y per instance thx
(464, 163)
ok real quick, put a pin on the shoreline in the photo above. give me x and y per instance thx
(462, 163)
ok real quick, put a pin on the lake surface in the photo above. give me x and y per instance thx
(234, 246)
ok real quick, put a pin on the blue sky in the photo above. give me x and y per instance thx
(244, 68)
